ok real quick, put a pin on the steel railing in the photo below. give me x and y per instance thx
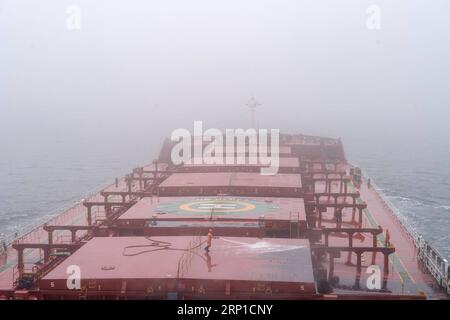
(55, 213)
(435, 263)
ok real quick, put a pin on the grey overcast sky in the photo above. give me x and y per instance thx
(144, 68)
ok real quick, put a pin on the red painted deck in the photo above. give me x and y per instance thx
(234, 183)
(235, 266)
(76, 215)
(226, 179)
(283, 150)
(414, 280)
(286, 165)
(215, 208)
(143, 263)
(283, 163)
(406, 275)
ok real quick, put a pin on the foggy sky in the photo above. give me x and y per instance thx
(139, 69)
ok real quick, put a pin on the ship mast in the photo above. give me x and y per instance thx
(253, 104)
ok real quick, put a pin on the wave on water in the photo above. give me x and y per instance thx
(405, 200)
(400, 198)
(19, 215)
(442, 207)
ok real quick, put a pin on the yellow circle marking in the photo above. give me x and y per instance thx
(188, 206)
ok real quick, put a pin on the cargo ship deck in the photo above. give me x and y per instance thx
(275, 237)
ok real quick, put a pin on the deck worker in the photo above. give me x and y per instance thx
(338, 217)
(209, 240)
(387, 239)
(368, 183)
